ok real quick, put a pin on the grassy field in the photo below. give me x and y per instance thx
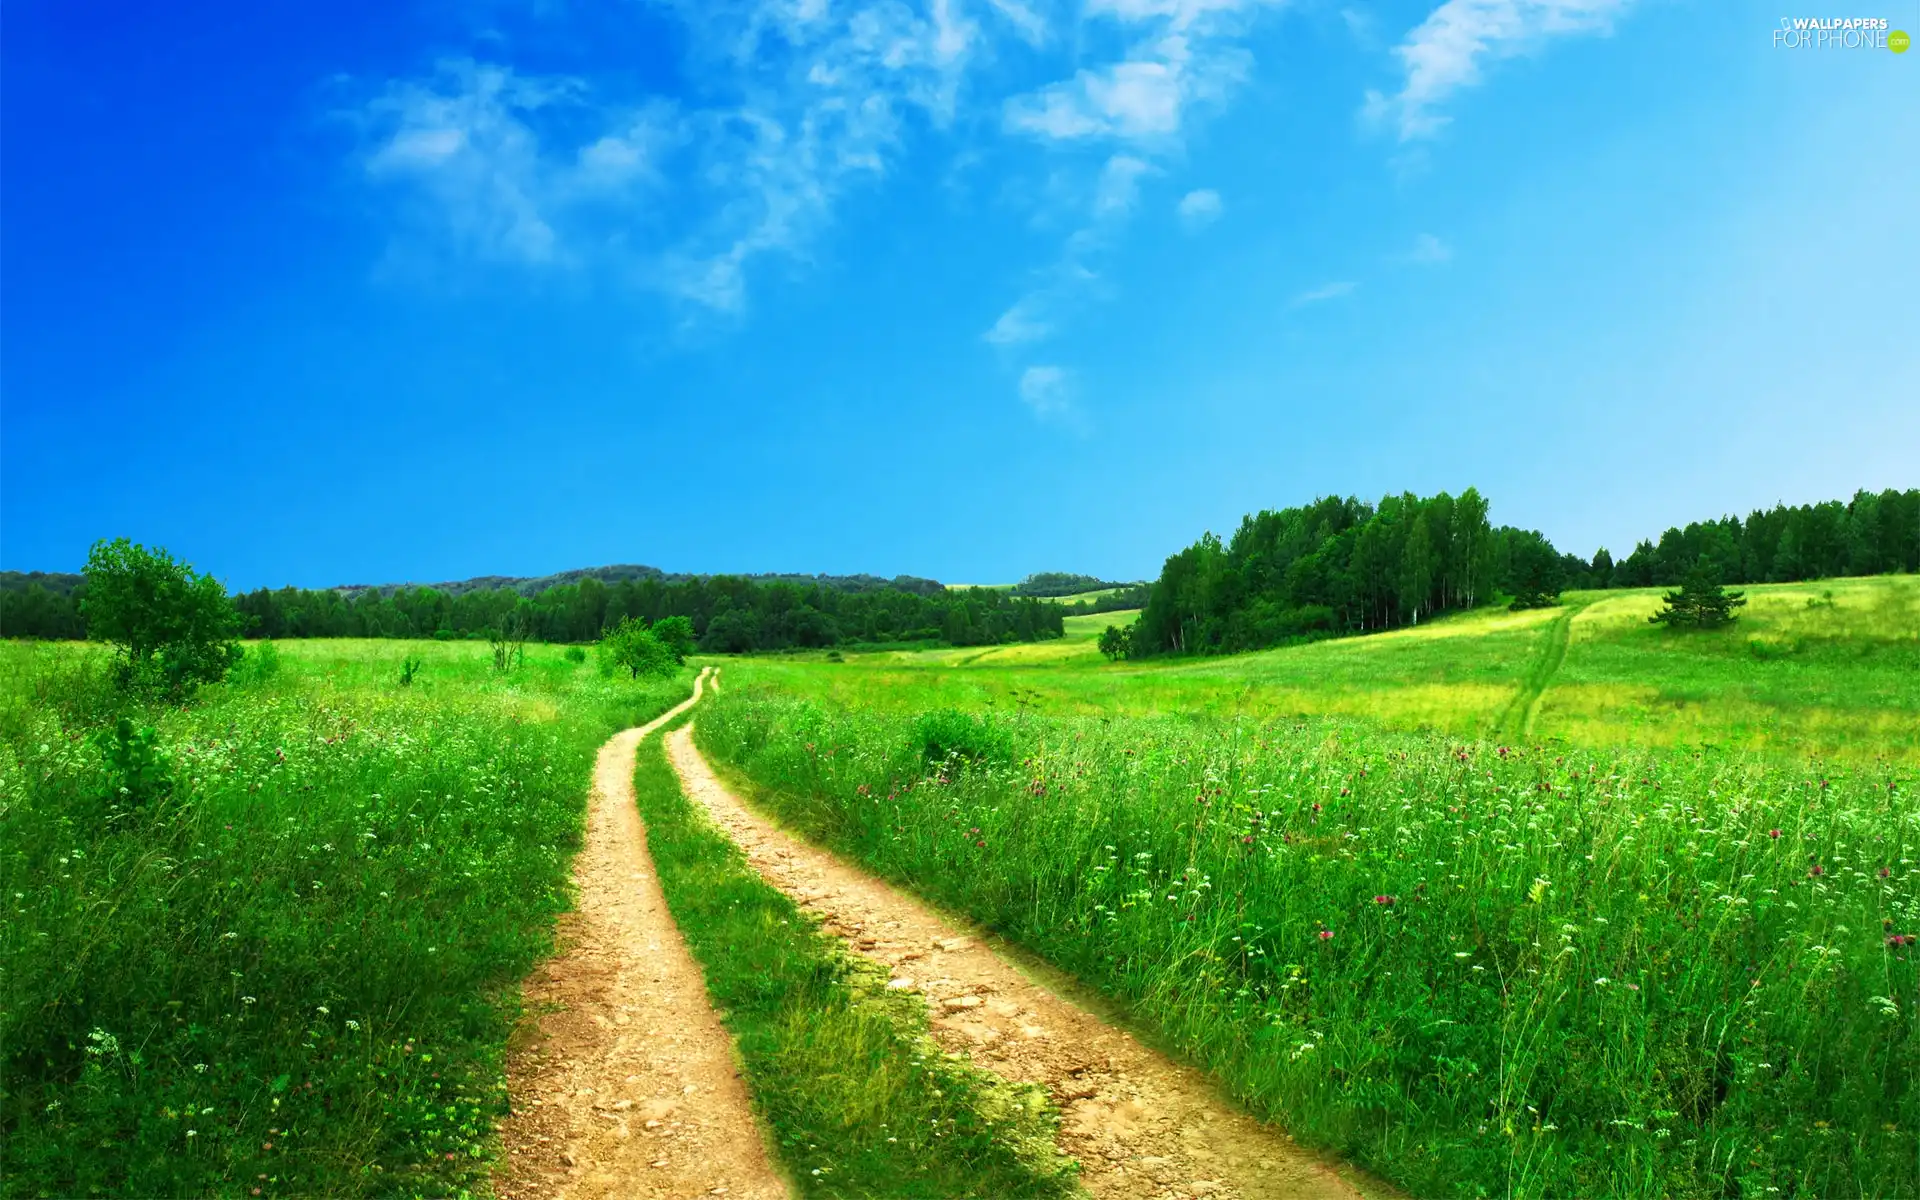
(292, 970)
(1475, 970)
(1539, 903)
(1829, 668)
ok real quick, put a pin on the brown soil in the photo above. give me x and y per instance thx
(627, 1085)
(1140, 1124)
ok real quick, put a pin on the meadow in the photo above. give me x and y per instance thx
(1477, 970)
(1539, 903)
(1830, 668)
(275, 949)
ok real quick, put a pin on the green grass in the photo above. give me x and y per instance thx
(1840, 680)
(295, 974)
(1543, 972)
(860, 1100)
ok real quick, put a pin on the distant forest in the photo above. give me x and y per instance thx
(1061, 583)
(729, 613)
(1341, 566)
(1332, 567)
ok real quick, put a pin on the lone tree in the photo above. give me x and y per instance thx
(1116, 642)
(172, 628)
(1701, 603)
(631, 646)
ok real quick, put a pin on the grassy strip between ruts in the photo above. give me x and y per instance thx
(861, 1101)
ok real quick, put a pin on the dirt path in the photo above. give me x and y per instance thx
(627, 1086)
(1140, 1125)
(1517, 717)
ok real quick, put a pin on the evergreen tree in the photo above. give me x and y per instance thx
(1701, 603)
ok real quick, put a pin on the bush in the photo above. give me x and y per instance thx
(171, 628)
(576, 654)
(949, 733)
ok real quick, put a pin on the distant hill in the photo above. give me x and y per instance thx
(58, 582)
(1062, 583)
(533, 585)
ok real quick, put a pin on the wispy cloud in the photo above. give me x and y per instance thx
(803, 102)
(1445, 52)
(1200, 208)
(1049, 391)
(1323, 293)
(1429, 251)
(550, 171)
(1186, 54)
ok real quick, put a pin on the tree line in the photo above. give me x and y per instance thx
(728, 614)
(1340, 566)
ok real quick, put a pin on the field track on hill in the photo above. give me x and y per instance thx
(628, 1086)
(1141, 1125)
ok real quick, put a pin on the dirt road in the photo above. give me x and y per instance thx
(627, 1086)
(1141, 1125)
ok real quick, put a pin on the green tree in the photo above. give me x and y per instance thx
(676, 634)
(632, 647)
(172, 628)
(1701, 603)
(1115, 642)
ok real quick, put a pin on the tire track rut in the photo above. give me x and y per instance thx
(628, 1085)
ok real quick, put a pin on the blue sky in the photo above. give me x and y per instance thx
(964, 288)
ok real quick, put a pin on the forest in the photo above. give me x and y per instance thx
(730, 614)
(1340, 565)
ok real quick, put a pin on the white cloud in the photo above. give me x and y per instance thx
(1445, 52)
(802, 102)
(1048, 391)
(1143, 99)
(1119, 186)
(1031, 26)
(1020, 324)
(1429, 250)
(1325, 292)
(1199, 208)
(504, 166)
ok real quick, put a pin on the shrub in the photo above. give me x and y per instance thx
(576, 654)
(950, 734)
(139, 772)
(171, 628)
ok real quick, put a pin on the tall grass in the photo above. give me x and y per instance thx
(860, 1099)
(1477, 970)
(292, 969)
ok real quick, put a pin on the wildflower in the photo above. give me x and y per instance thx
(1316, 808)
(1343, 792)
(1774, 834)
(1885, 872)
(1326, 935)
(1247, 840)
(1383, 901)
(981, 844)
(1816, 870)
